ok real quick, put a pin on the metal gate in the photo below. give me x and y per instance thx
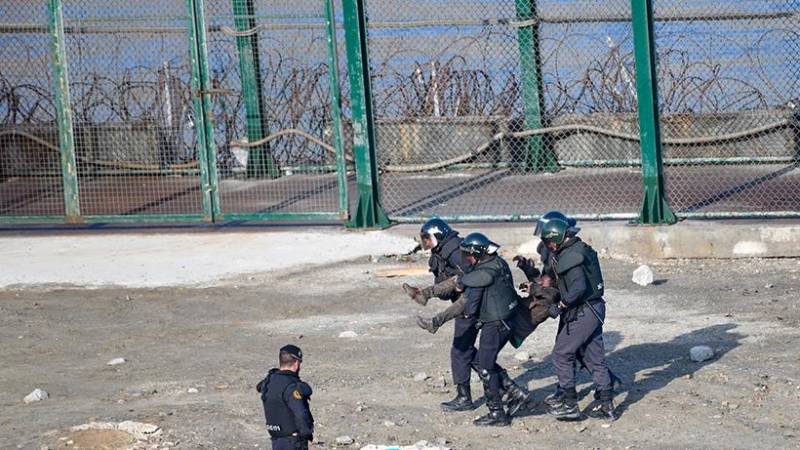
(181, 112)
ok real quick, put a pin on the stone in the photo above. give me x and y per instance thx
(701, 353)
(116, 361)
(643, 275)
(344, 440)
(139, 430)
(348, 334)
(36, 395)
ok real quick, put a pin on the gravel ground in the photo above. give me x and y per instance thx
(193, 355)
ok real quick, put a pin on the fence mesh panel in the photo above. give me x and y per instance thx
(294, 71)
(728, 76)
(452, 76)
(30, 169)
(130, 95)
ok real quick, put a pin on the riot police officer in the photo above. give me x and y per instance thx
(547, 277)
(582, 312)
(445, 263)
(285, 398)
(492, 299)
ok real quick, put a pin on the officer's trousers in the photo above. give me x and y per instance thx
(584, 335)
(463, 350)
(289, 443)
(494, 336)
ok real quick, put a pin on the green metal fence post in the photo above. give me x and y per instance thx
(336, 109)
(66, 138)
(537, 158)
(260, 162)
(206, 152)
(369, 213)
(654, 205)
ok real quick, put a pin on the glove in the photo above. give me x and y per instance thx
(553, 310)
(525, 287)
(521, 261)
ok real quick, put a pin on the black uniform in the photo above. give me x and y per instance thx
(491, 298)
(580, 329)
(289, 420)
(445, 262)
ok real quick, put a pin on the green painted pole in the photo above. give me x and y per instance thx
(369, 213)
(336, 109)
(203, 110)
(260, 162)
(655, 209)
(538, 157)
(66, 138)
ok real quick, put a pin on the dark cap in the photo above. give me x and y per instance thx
(294, 351)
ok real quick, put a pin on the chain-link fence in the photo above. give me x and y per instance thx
(277, 91)
(157, 109)
(729, 78)
(507, 109)
(494, 110)
(130, 92)
(30, 169)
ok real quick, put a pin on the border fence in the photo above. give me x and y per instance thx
(372, 111)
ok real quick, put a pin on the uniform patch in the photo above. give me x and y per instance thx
(296, 394)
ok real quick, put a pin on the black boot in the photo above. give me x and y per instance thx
(616, 383)
(556, 398)
(606, 408)
(568, 410)
(431, 325)
(462, 402)
(516, 396)
(497, 416)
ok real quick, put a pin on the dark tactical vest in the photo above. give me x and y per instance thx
(280, 420)
(440, 264)
(500, 299)
(578, 253)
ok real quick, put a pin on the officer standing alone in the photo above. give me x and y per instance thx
(285, 398)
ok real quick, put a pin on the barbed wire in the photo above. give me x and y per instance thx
(438, 85)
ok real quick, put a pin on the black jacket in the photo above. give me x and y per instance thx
(285, 399)
(445, 261)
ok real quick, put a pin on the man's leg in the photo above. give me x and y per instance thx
(462, 354)
(494, 336)
(594, 354)
(442, 290)
(289, 443)
(571, 337)
(434, 323)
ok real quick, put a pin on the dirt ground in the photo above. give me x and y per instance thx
(193, 356)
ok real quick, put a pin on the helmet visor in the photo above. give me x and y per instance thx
(428, 240)
(539, 225)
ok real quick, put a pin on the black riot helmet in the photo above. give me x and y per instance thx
(554, 231)
(555, 214)
(435, 230)
(477, 245)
